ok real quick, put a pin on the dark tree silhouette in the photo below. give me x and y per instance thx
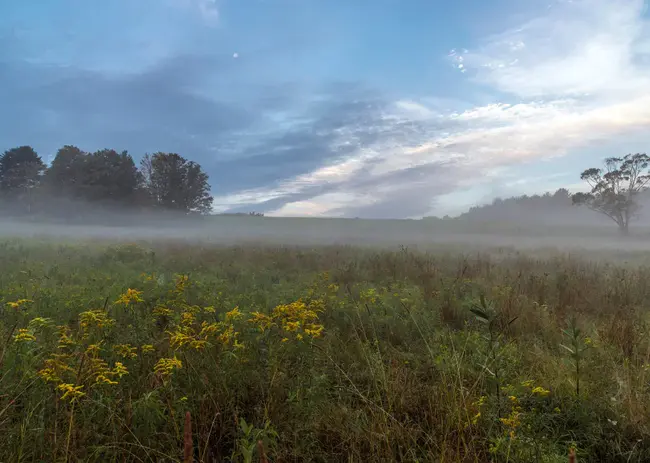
(66, 173)
(21, 170)
(109, 177)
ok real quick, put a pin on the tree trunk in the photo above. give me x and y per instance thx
(623, 229)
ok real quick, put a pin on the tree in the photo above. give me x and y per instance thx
(21, 170)
(614, 189)
(174, 183)
(109, 177)
(66, 173)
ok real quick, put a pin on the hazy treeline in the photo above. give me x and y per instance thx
(83, 184)
(550, 208)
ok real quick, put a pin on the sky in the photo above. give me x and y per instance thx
(373, 109)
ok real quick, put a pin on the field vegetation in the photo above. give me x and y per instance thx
(322, 354)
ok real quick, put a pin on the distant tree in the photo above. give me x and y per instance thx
(66, 173)
(108, 177)
(614, 189)
(21, 170)
(174, 183)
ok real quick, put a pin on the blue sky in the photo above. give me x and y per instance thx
(384, 108)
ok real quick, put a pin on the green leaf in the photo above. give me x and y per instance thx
(480, 315)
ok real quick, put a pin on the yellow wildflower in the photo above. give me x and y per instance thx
(539, 390)
(93, 349)
(102, 379)
(70, 391)
(19, 303)
(234, 314)
(263, 321)
(161, 311)
(119, 370)
(94, 319)
(126, 351)
(166, 366)
(24, 335)
(291, 326)
(40, 322)
(131, 295)
(146, 348)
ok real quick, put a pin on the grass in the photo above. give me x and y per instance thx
(323, 354)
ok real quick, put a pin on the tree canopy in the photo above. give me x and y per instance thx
(105, 178)
(615, 188)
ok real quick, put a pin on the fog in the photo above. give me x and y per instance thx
(238, 230)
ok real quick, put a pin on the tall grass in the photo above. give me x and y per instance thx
(323, 354)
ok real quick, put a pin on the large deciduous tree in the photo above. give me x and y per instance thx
(174, 183)
(614, 189)
(66, 173)
(21, 170)
(110, 177)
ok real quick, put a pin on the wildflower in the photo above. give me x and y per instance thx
(476, 418)
(55, 367)
(314, 330)
(209, 309)
(119, 370)
(40, 322)
(131, 295)
(187, 318)
(19, 303)
(208, 329)
(65, 339)
(178, 339)
(198, 344)
(166, 366)
(263, 321)
(229, 335)
(161, 311)
(512, 420)
(93, 349)
(146, 348)
(513, 399)
(557, 410)
(94, 319)
(24, 335)
(291, 326)
(541, 391)
(126, 351)
(528, 383)
(182, 281)
(70, 391)
(234, 314)
(102, 379)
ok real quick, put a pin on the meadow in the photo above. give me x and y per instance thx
(324, 354)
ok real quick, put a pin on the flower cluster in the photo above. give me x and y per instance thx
(297, 319)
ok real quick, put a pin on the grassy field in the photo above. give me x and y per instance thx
(324, 354)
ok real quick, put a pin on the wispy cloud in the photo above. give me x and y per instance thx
(578, 75)
(580, 47)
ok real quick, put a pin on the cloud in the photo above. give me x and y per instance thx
(575, 77)
(579, 47)
(143, 112)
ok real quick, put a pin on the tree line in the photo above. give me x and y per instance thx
(618, 191)
(102, 180)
